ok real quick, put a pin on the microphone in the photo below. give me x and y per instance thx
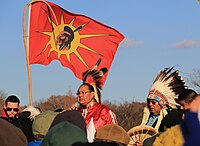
(75, 106)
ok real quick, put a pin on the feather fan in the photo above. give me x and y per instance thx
(140, 133)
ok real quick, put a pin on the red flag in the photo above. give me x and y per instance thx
(76, 40)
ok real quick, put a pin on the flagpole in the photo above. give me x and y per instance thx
(26, 45)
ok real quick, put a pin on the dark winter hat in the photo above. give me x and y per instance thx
(10, 135)
(71, 116)
(64, 134)
(113, 132)
(42, 122)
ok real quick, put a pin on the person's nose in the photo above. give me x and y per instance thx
(12, 112)
(80, 95)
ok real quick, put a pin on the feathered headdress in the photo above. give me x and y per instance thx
(166, 87)
(95, 77)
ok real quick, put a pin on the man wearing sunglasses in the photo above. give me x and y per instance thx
(11, 107)
(12, 114)
(155, 110)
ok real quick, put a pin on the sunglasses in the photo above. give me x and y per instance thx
(14, 109)
(151, 101)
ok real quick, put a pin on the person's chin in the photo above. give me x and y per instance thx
(82, 103)
(151, 111)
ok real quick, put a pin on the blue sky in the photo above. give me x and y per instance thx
(158, 34)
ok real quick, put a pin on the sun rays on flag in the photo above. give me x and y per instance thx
(65, 39)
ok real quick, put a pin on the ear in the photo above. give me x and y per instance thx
(92, 94)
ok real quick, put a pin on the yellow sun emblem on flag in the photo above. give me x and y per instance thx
(65, 39)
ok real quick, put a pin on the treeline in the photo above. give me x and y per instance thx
(129, 114)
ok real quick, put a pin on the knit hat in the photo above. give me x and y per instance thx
(113, 132)
(10, 135)
(64, 134)
(71, 116)
(42, 122)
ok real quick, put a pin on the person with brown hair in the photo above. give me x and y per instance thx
(188, 132)
(176, 116)
(185, 98)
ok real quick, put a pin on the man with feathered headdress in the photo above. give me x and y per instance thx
(89, 98)
(161, 98)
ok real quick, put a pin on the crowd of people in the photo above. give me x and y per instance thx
(90, 123)
(175, 120)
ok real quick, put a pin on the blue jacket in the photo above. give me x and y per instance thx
(35, 143)
(191, 129)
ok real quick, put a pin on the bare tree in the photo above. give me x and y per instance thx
(194, 80)
(56, 102)
(129, 114)
(2, 97)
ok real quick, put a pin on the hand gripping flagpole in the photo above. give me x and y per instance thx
(26, 44)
